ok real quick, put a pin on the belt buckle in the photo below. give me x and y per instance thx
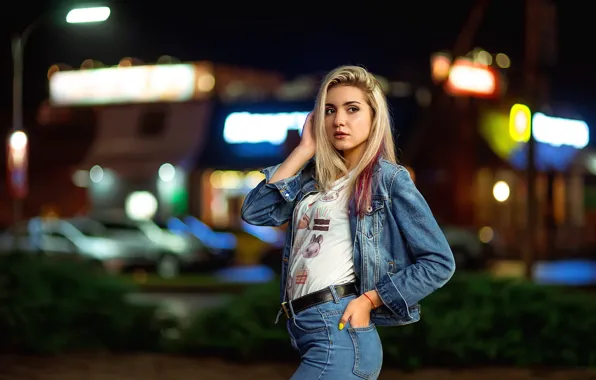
(284, 307)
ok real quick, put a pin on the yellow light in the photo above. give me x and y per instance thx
(486, 234)
(483, 57)
(440, 66)
(494, 128)
(501, 191)
(18, 140)
(503, 61)
(253, 178)
(520, 119)
(206, 82)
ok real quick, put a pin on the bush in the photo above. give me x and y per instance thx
(49, 306)
(473, 320)
(243, 329)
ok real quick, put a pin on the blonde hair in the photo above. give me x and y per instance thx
(330, 164)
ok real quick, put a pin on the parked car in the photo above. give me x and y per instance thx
(78, 239)
(170, 251)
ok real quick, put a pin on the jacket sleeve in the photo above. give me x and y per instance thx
(433, 264)
(271, 204)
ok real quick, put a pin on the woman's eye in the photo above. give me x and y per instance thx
(329, 111)
(353, 109)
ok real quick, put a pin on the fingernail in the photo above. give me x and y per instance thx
(341, 326)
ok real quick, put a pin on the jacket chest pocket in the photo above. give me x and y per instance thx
(374, 218)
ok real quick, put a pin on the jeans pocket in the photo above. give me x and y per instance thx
(292, 338)
(309, 322)
(368, 351)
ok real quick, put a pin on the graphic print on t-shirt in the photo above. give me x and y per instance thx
(314, 246)
(302, 276)
(332, 195)
(302, 228)
(322, 246)
(322, 219)
(289, 283)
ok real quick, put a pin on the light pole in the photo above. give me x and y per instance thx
(75, 16)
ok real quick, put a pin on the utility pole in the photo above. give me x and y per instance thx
(540, 48)
(445, 123)
(463, 44)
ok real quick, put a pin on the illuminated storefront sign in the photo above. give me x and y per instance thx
(520, 119)
(135, 84)
(261, 134)
(558, 140)
(558, 131)
(467, 78)
(254, 128)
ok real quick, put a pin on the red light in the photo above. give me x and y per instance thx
(17, 161)
(470, 79)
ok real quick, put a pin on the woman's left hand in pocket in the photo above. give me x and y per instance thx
(357, 313)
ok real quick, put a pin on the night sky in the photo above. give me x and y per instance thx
(294, 38)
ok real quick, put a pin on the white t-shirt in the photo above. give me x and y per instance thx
(322, 250)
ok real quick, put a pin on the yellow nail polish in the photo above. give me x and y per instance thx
(341, 326)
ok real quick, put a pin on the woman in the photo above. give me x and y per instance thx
(363, 247)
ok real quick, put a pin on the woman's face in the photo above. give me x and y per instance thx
(348, 120)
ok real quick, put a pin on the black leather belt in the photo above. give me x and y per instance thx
(318, 297)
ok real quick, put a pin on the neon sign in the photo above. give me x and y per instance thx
(520, 119)
(135, 84)
(558, 140)
(557, 131)
(254, 128)
(467, 78)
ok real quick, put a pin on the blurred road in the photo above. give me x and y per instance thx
(163, 367)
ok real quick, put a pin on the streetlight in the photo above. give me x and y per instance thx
(87, 15)
(78, 15)
(17, 163)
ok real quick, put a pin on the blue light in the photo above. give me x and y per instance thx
(547, 156)
(219, 240)
(176, 226)
(257, 150)
(568, 272)
(254, 128)
(269, 235)
(210, 238)
(248, 274)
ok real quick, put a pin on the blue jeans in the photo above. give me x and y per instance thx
(327, 353)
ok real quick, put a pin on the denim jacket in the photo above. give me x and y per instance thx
(399, 249)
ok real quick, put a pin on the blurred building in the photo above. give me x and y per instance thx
(151, 125)
(180, 139)
(468, 155)
(470, 161)
(52, 154)
(189, 138)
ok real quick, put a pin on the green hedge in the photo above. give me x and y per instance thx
(473, 320)
(50, 306)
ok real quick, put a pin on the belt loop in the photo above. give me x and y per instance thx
(336, 298)
(279, 313)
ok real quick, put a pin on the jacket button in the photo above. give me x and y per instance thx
(369, 209)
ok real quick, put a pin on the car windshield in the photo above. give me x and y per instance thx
(89, 227)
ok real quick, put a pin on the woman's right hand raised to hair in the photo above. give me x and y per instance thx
(307, 141)
(299, 156)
